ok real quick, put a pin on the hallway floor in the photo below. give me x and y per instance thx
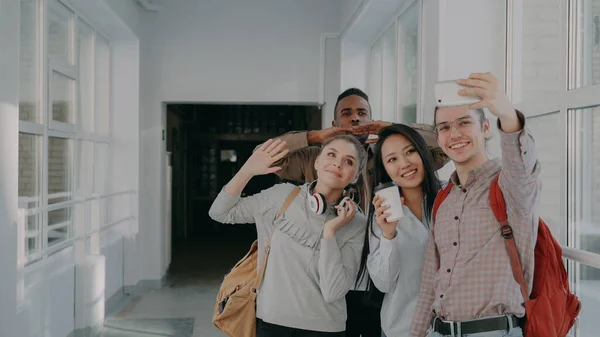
(184, 307)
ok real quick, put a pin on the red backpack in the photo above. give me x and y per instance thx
(551, 309)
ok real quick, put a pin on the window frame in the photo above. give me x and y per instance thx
(569, 101)
(48, 128)
(379, 38)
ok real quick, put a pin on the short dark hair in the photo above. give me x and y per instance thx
(350, 92)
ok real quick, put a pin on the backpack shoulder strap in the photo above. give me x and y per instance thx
(288, 201)
(261, 273)
(499, 208)
(440, 197)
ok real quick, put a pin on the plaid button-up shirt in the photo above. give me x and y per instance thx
(466, 271)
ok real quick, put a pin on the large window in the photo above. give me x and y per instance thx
(553, 76)
(408, 65)
(64, 127)
(586, 44)
(393, 73)
(545, 128)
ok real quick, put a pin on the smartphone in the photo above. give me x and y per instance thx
(446, 94)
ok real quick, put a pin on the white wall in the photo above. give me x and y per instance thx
(220, 51)
(125, 157)
(128, 11)
(49, 296)
(349, 10)
(470, 37)
(355, 62)
(39, 300)
(118, 19)
(367, 21)
(457, 38)
(331, 80)
(9, 119)
(114, 254)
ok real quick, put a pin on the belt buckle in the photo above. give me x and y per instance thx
(451, 323)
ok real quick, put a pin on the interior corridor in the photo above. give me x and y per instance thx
(184, 306)
(121, 120)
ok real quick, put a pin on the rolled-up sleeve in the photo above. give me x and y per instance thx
(519, 179)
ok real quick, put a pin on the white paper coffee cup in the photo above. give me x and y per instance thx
(390, 193)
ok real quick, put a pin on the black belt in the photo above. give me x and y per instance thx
(477, 326)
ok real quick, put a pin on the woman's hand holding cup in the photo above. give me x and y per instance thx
(388, 207)
(382, 213)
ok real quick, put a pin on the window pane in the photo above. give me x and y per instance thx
(29, 103)
(61, 89)
(587, 226)
(29, 171)
(33, 235)
(590, 230)
(408, 34)
(85, 169)
(375, 80)
(100, 167)
(59, 169)
(587, 43)
(60, 20)
(59, 225)
(541, 68)
(388, 103)
(85, 58)
(101, 84)
(546, 131)
(586, 289)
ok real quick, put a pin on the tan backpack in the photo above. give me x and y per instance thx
(235, 310)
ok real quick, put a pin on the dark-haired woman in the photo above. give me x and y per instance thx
(395, 254)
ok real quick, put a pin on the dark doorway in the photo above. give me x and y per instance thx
(208, 144)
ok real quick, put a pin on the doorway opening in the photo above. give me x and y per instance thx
(207, 144)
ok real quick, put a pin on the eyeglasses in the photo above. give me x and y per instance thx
(459, 123)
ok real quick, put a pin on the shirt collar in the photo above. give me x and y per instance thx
(488, 169)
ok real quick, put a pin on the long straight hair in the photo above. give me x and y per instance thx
(430, 185)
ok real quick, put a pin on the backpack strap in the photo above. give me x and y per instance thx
(499, 208)
(440, 197)
(263, 267)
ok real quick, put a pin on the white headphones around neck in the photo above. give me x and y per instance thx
(318, 203)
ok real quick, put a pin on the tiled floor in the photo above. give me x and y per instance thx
(188, 299)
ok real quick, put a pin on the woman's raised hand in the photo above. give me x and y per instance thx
(261, 160)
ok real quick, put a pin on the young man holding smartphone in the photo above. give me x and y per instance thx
(467, 282)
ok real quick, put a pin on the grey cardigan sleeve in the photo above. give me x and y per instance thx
(233, 209)
(338, 266)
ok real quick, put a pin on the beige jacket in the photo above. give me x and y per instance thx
(299, 164)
